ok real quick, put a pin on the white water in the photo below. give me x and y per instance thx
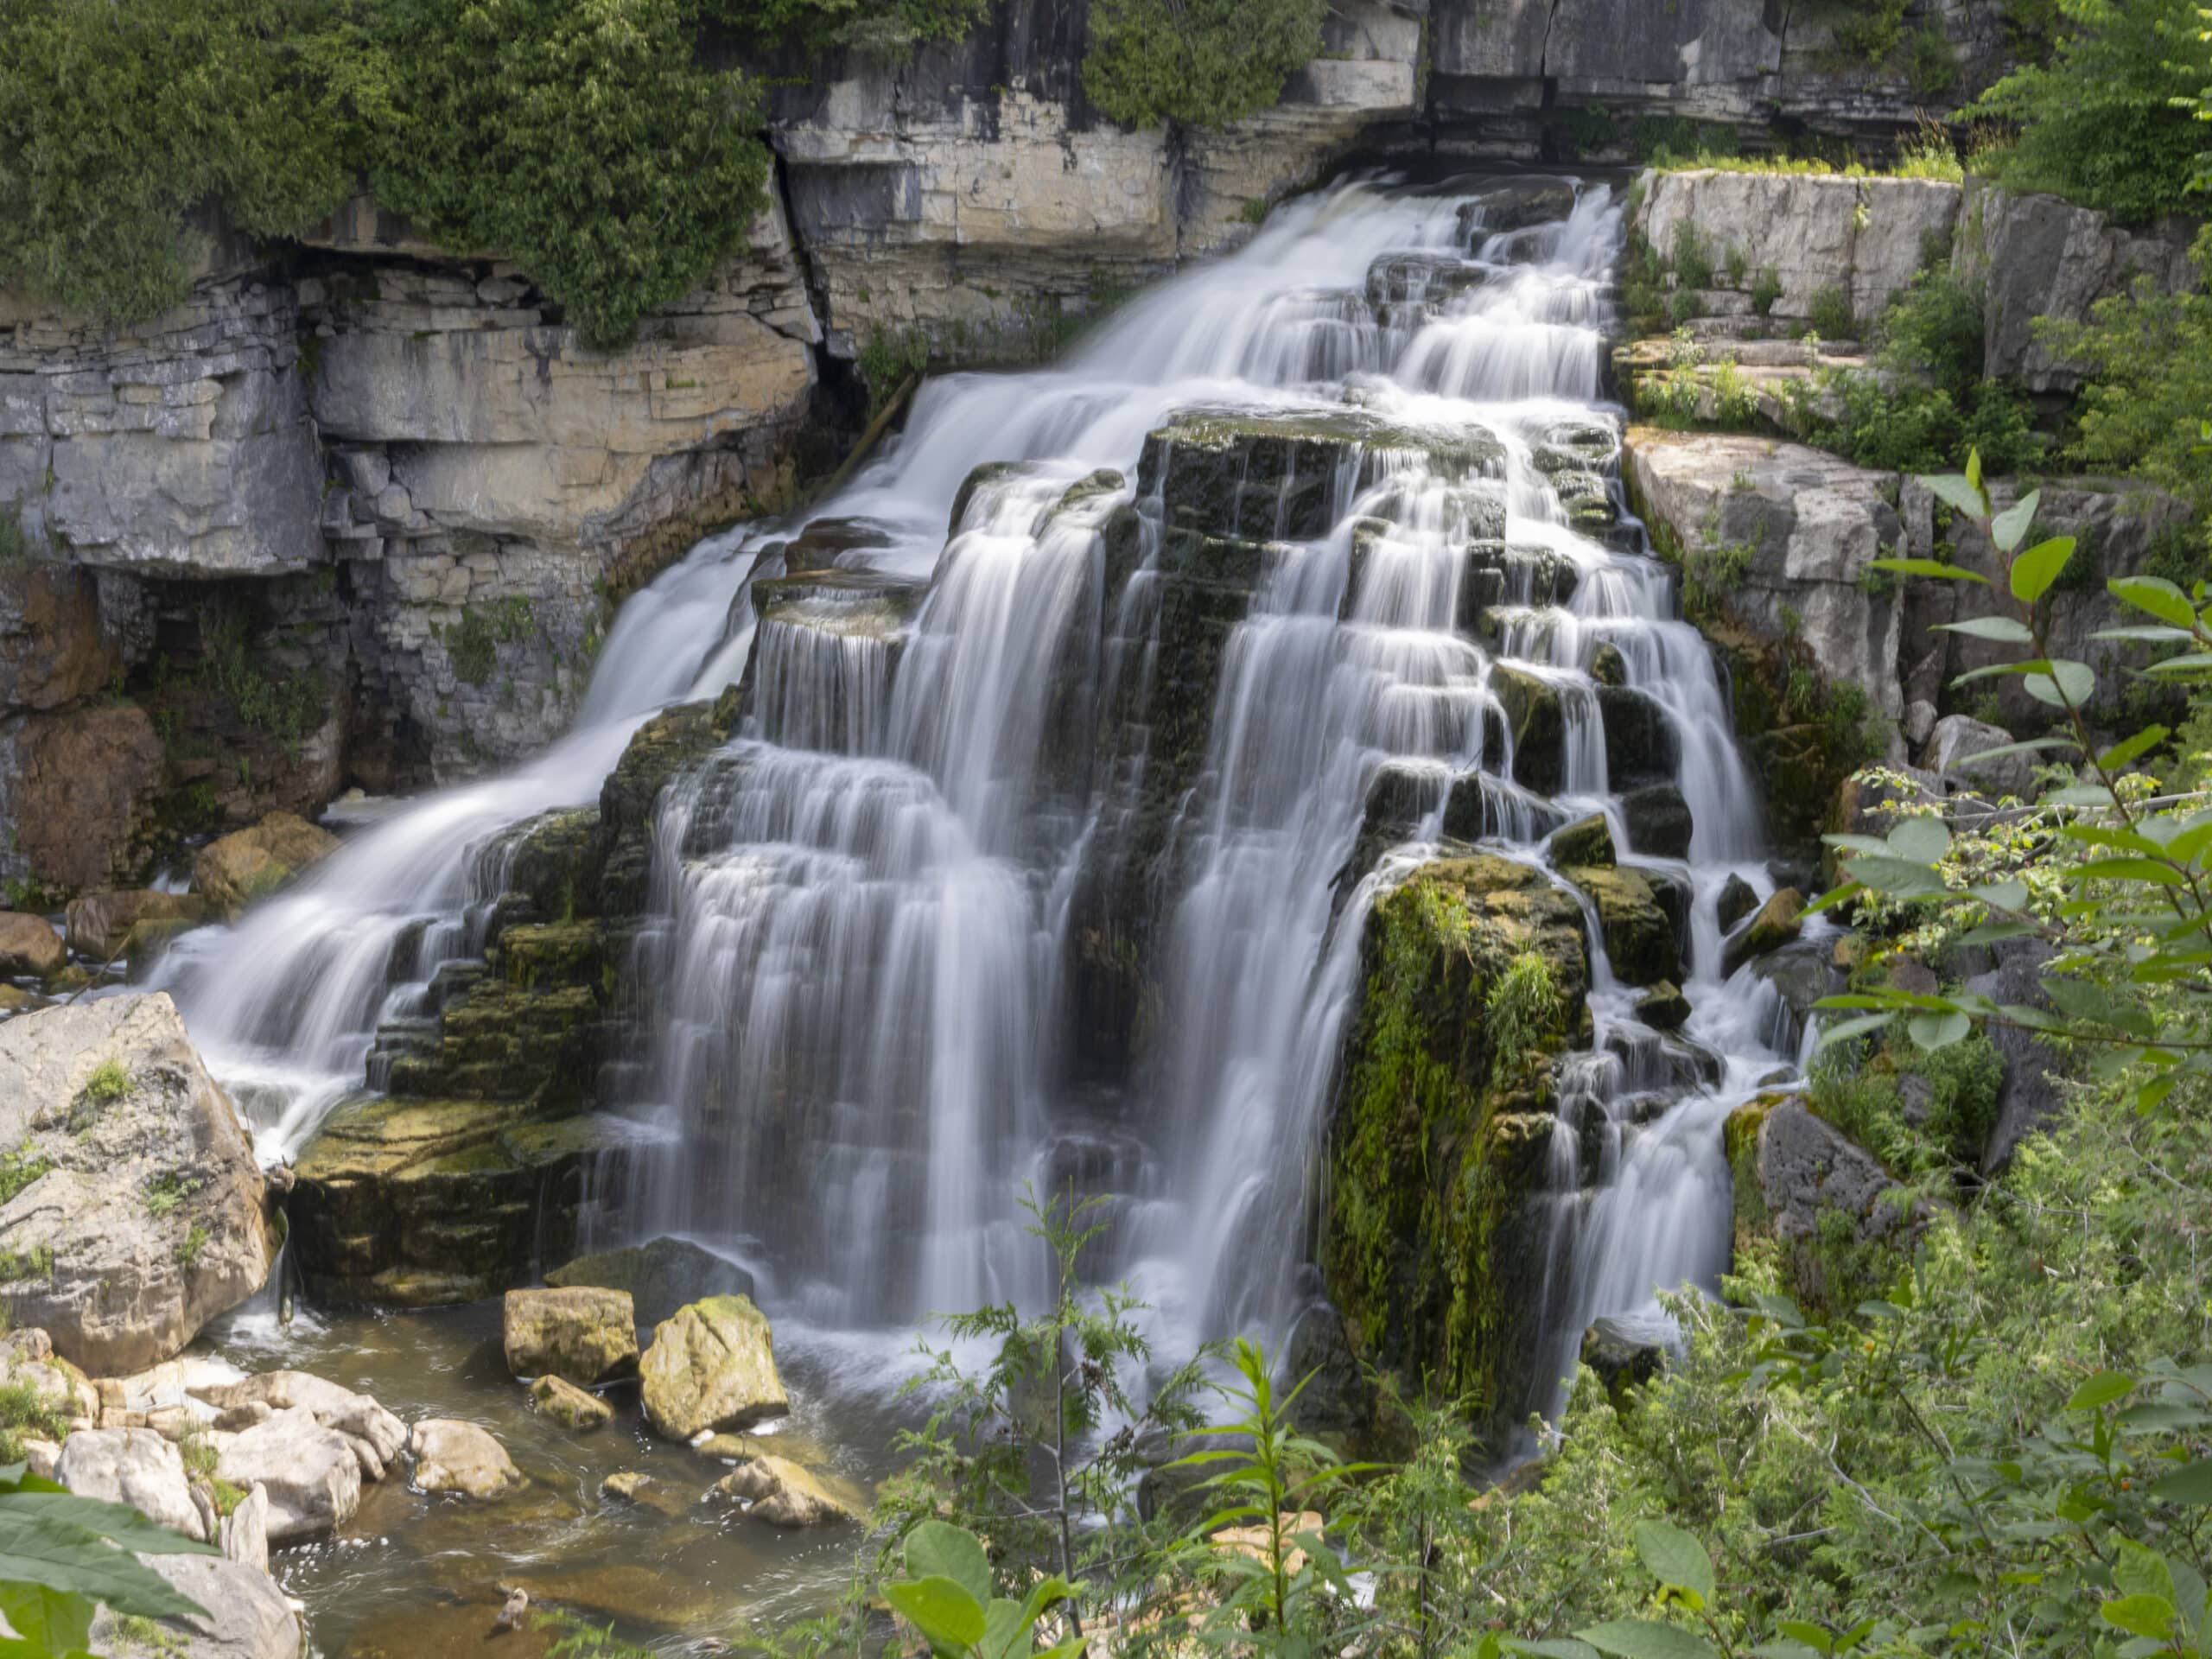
(856, 1043)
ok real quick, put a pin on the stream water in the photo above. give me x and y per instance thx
(858, 1044)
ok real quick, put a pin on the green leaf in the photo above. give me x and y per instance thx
(1898, 877)
(2190, 1483)
(1933, 1030)
(2001, 628)
(2100, 1390)
(2010, 528)
(937, 1549)
(1811, 1635)
(946, 1615)
(1996, 932)
(1957, 491)
(61, 1554)
(1006, 1631)
(118, 1521)
(2194, 663)
(2068, 682)
(2034, 571)
(2155, 595)
(1640, 1638)
(1923, 841)
(2140, 1572)
(1973, 479)
(1927, 568)
(2001, 895)
(1851, 1029)
(58, 1618)
(1557, 1647)
(2130, 749)
(2150, 1616)
(2129, 869)
(1674, 1557)
(2139, 633)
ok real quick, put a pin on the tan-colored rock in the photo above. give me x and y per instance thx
(312, 1472)
(233, 872)
(29, 945)
(583, 1334)
(712, 1366)
(630, 1486)
(451, 1456)
(573, 1408)
(376, 1436)
(134, 1466)
(782, 1494)
(83, 1256)
(104, 925)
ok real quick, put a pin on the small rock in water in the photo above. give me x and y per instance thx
(632, 1487)
(1664, 1008)
(451, 1456)
(782, 1494)
(568, 1405)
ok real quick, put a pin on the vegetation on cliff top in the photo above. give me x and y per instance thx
(1202, 62)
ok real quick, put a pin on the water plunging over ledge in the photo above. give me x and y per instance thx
(1125, 695)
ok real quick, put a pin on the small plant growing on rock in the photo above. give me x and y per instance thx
(108, 1082)
(189, 1249)
(1766, 290)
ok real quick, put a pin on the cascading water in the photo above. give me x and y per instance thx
(856, 1038)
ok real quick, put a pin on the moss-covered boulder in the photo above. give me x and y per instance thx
(1775, 923)
(1640, 938)
(1443, 1128)
(712, 1366)
(249, 864)
(1587, 841)
(1841, 1223)
(585, 1335)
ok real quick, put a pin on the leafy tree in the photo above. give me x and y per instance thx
(1202, 62)
(2106, 122)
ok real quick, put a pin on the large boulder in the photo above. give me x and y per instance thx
(29, 945)
(1775, 923)
(661, 1276)
(105, 925)
(134, 1466)
(712, 1366)
(584, 1334)
(1955, 747)
(232, 872)
(1793, 1171)
(244, 1532)
(249, 1616)
(312, 1474)
(134, 1210)
(451, 1456)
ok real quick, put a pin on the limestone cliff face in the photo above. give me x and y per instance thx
(356, 512)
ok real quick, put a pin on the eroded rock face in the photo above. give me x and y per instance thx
(117, 1286)
(77, 789)
(712, 1366)
(373, 1434)
(310, 1472)
(1864, 237)
(2039, 257)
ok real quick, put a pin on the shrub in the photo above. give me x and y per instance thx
(115, 121)
(1202, 62)
(1766, 290)
(580, 138)
(1830, 315)
(2107, 121)
(1693, 257)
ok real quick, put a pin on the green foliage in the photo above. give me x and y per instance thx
(165, 1192)
(1766, 290)
(61, 1554)
(1830, 315)
(1200, 62)
(108, 1084)
(115, 121)
(189, 1247)
(28, 1410)
(888, 361)
(818, 26)
(1693, 257)
(2106, 121)
(950, 1596)
(473, 642)
(1524, 1009)
(18, 1169)
(582, 138)
(287, 705)
(2149, 357)
(1957, 1088)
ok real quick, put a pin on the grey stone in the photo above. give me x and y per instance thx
(247, 1615)
(134, 1466)
(1952, 750)
(2028, 1098)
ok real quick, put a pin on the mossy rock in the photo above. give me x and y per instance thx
(425, 1203)
(1640, 939)
(1586, 842)
(1538, 723)
(1439, 1142)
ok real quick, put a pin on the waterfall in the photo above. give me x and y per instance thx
(866, 1020)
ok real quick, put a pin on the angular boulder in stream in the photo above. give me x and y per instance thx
(451, 1456)
(783, 1494)
(583, 1334)
(1640, 938)
(135, 1214)
(712, 1366)
(575, 1410)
